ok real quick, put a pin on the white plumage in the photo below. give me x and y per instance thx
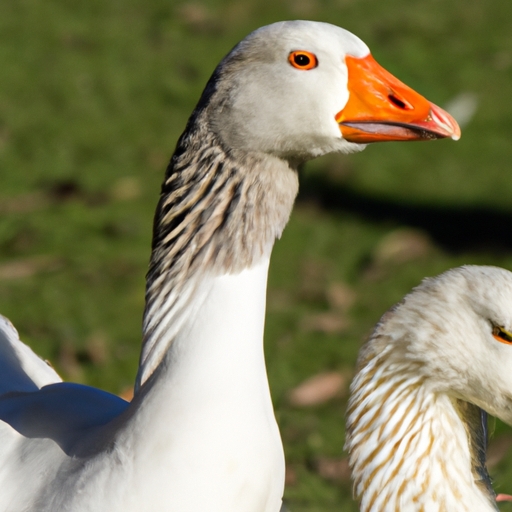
(416, 433)
(200, 434)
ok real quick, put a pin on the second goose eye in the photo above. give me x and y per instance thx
(502, 335)
(301, 59)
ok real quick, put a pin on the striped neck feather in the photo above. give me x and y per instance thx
(411, 449)
(219, 212)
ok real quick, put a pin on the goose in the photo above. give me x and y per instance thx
(435, 365)
(200, 433)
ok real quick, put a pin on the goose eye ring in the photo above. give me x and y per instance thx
(301, 59)
(502, 335)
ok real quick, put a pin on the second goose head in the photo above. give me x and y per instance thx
(416, 433)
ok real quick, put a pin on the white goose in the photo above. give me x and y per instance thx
(416, 435)
(200, 433)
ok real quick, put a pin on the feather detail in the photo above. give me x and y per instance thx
(409, 447)
(416, 428)
(219, 213)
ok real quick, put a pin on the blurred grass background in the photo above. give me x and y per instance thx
(93, 95)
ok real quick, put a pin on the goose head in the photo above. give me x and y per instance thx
(456, 331)
(287, 93)
(301, 89)
(433, 363)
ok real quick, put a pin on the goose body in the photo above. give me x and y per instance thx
(200, 433)
(416, 430)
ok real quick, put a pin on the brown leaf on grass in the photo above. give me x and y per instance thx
(290, 478)
(27, 267)
(71, 359)
(69, 363)
(96, 350)
(312, 279)
(498, 449)
(318, 389)
(304, 9)
(395, 248)
(126, 188)
(198, 18)
(279, 299)
(157, 160)
(402, 245)
(335, 470)
(24, 203)
(329, 322)
(340, 296)
(193, 13)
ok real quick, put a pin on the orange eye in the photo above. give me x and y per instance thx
(502, 335)
(301, 59)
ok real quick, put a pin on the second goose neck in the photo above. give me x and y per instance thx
(412, 448)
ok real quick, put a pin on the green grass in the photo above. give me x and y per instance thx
(93, 95)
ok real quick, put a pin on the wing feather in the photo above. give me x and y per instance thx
(20, 368)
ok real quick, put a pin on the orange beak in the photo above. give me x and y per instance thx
(381, 108)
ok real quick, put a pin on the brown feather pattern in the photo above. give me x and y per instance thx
(410, 449)
(220, 211)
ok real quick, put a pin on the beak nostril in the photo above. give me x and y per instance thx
(398, 102)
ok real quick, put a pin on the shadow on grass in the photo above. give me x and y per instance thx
(455, 228)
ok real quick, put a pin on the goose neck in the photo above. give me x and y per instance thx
(411, 448)
(219, 214)
(206, 413)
